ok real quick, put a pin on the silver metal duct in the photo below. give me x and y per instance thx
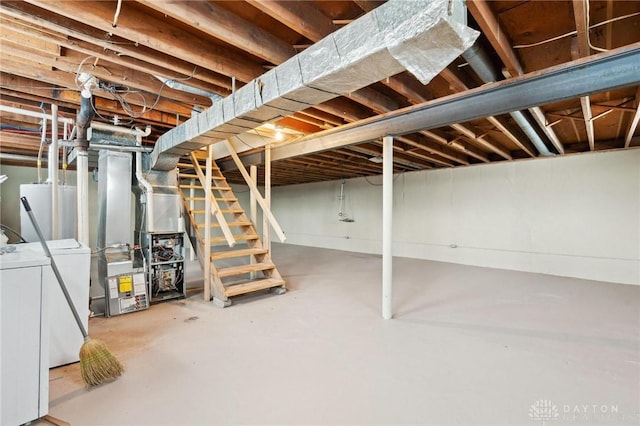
(420, 36)
(178, 85)
(480, 63)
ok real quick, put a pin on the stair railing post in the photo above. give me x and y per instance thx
(207, 227)
(253, 171)
(210, 199)
(266, 237)
(266, 211)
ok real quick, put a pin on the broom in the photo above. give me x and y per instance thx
(97, 364)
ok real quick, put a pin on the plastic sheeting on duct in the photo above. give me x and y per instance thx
(420, 36)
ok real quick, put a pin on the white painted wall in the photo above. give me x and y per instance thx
(575, 216)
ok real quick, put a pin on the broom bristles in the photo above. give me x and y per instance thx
(97, 364)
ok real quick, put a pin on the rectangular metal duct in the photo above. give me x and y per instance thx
(420, 36)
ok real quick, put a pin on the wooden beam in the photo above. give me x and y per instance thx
(398, 84)
(300, 16)
(368, 5)
(481, 140)
(500, 42)
(26, 13)
(147, 30)
(439, 152)
(118, 75)
(45, 46)
(634, 121)
(413, 153)
(67, 80)
(305, 19)
(378, 102)
(331, 119)
(540, 118)
(226, 26)
(12, 52)
(459, 86)
(580, 49)
(581, 19)
(89, 49)
(15, 85)
(492, 29)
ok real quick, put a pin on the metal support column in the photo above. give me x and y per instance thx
(387, 220)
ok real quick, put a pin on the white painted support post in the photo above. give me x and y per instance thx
(266, 240)
(65, 135)
(192, 206)
(83, 197)
(53, 173)
(207, 227)
(253, 206)
(387, 221)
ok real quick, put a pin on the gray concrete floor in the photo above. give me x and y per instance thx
(468, 345)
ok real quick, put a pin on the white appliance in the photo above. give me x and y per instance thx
(24, 337)
(74, 263)
(39, 196)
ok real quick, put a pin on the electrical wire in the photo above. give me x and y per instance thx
(598, 49)
(366, 178)
(14, 232)
(539, 43)
(250, 146)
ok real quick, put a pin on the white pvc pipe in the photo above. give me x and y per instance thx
(118, 129)
(28, 113)
(148, 190)
(387, 220)
(266, 242)
(83, 197)
(53, 166)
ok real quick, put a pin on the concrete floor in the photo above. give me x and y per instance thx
(468, 345)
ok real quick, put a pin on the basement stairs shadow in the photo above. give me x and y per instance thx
(246, 267)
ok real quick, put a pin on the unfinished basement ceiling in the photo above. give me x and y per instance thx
(214, 45)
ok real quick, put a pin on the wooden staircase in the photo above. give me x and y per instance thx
(246, 267)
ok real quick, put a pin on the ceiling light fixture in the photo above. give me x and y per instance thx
(376, 159)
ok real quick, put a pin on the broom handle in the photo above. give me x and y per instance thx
(56, 272)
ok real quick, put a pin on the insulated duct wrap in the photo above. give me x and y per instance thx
(420, 36)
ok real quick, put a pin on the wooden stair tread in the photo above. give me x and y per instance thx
(237, 237)
(244, 269)
(237, 253)
(201, 211)
(237, 289)
(217, 225)
(213, 188)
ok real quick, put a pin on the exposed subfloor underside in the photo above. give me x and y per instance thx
(468, 345)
